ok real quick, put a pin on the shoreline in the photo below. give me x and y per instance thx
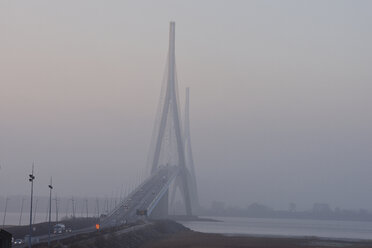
(184, 218)
(288, 228)
(170, 234)
(191, 239)
(304, 237)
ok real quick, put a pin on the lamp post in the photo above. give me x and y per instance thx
(97, 206)
(20, 217)
(73, 207)
(35, 210)
(31, 179)
(56, 199)
(6, 206)
(86, 207)
(50, 208)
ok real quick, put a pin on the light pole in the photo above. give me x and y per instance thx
(86, 207)
(73, 207)
(20, 217)
(31, 179)
(56, 199)
(97, 206)
(50, 208)
(35, 211)
(6, 206)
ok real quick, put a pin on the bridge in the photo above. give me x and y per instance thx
(170, 159)
(170, 162)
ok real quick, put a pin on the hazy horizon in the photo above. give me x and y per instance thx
(280, 96)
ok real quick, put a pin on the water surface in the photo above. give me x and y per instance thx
(284, 227)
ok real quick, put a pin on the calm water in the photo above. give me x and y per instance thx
(285, 227)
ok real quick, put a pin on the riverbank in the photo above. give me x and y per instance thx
(185, 218)
(285, 227)
(191, 239)
(170, 234)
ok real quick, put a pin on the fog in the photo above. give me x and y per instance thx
(280, 97)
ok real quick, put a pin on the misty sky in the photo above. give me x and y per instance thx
(280, 96)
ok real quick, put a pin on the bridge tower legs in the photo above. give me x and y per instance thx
(170, 121)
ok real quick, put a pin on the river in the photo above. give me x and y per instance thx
(284, 227)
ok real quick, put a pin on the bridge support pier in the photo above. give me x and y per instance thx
(161, 210)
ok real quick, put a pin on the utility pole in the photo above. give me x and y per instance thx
(82, 207)
(56, 199)
(107, 205)
(73, 207)
(97, 206)
(67, 207)
(115, 199)
(86, 206)
(20, 216)
(111, 198)
(47, 211)
(6, 206)
(121, 193)
(50, 208)
(31, 179)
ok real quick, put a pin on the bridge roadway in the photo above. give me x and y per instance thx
(54, 237)
(144, 198)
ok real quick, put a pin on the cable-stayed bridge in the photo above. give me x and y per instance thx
(170, 163)
(170, 158)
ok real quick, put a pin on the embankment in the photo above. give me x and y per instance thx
(169, 234)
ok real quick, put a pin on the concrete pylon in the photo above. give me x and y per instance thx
(188, 155)
(170, 114)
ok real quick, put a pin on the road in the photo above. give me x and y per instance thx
(141, 198)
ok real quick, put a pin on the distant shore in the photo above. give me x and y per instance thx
(185, 218)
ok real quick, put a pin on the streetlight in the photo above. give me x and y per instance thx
(56, 199)
(20, 217)
(6, 206)
(73, 207)
(31, 179)
(50, 208)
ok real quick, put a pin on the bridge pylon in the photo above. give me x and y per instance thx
(188, 155)
(168, 141)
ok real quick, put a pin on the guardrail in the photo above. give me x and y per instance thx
(161, 193)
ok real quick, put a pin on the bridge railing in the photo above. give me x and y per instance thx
(130, 195)
(164, 189)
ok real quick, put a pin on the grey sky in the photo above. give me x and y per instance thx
(280, 96)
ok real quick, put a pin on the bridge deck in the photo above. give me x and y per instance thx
(144, 198)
